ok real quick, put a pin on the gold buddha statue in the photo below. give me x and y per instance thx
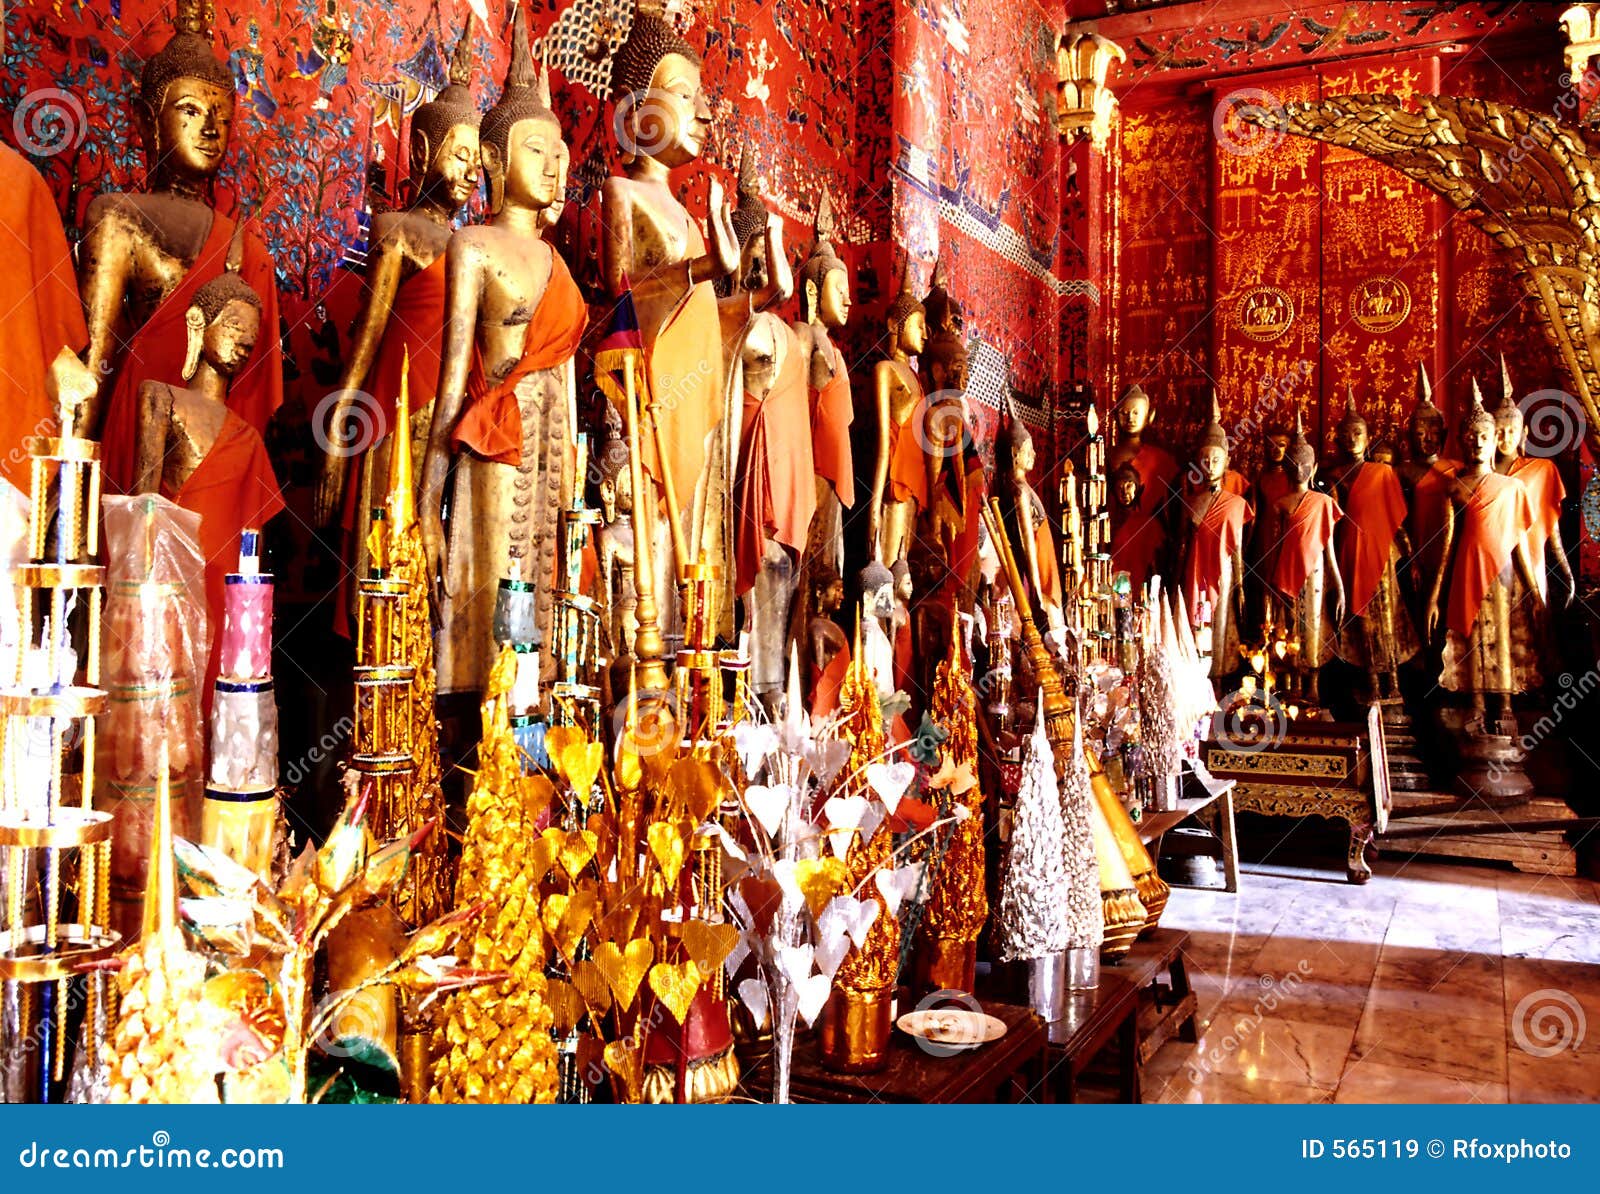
(504, 411)
(1016, 458)
(824, 287)
(1378, 635)
(651, 246)
(899, 479)
(614, 542)
(403, 316)
(1213, 546)
(1132, 417)
(1303, 568)
(1546, 491)
(145, 256)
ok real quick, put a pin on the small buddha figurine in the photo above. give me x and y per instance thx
(145, 256)
(948, 457)
(899, 476)
(1304, 565)
(827, 648)
(1542, 480)
(900, 626)
(652, 248)
(1213, 563)
(1015, 461)
(514, 318)
(774, 490)
(877, 609)
(824, 290)
(194, 450)
(1138, 535)
(1158, 470)
(1488, 581)
(1379, 635)
(1425, 480)
(615, 546)
(403, 316)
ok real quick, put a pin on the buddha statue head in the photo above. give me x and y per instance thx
(877, 589)
(1132, 412)
(520, 137)
(444, 159)
(1276, 444)
(1508, 425)
(1020, 455)
(824, 279)
(1478, 430)
(1300, 459)
(1211, 452)
(1127, 486)
(827, 590)
(907, 319)
(223, 323)
(662, 112)
(1425, 430)
(1352, 435)
(185, 104)
(948, 360)
(903, 588)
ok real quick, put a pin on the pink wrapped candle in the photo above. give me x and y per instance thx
(247, 615)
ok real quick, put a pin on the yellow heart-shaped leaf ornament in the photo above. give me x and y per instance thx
(580, 765)
(709, 945)
(578, 849)
(666, 845)
(676, 986)
(624, 968)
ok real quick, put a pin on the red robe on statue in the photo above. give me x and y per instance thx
(1137, 537)
(1305, 539)
(155, 352)
(1158, 469)
(491, 425)
(826, 683)
(1375, 508)
(1542, 480)
(1216, 538)
(232, 488)
(1270, 486)
(832, 412)
(1490, 522)
(42, 312)
(775, 491)
(1430, 506)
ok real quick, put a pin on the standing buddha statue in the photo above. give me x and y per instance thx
(826, 645)
(1542, 480)
(653, 248)
(824, 287)
(954, 471)
(504, 410)
(1425, 480)
(1035, 536)
(1213, 563)
(1158, 470)
(145, 256)
(1379, 635)
(1304, 566)
(899, 476)
(404, 312)
(1487, 582)
(1138, 534)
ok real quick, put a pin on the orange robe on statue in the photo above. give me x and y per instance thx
(155, 352)
(826, 683)
(1430, 506)
(491, 425)
(1375, 509)
(1137, 538)
(1217, 538)
(775, 492)
(908, 470)
(684, 362)
(1158, 469)
(1305, 540)
(42, 312)
(832, 412)
(1542, 480)
(231, 489)
(1490, 522)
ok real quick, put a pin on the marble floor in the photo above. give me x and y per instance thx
(1434, 983)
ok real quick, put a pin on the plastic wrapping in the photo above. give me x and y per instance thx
(154, 645)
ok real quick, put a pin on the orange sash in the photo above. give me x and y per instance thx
(156, 351)
(1542, 480)
(687, 378)
(826, 683)
(1270, 486)
(908, 470)
(42, 311)
(775, 492)
(1430, 506)
(1305, 539)
(491, 425)
(232, 488)
(415, 327)
(832, 412)
(1374, 508)
(1495, 515)
(1218, 536)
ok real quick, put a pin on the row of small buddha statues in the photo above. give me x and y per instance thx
(1440, 561)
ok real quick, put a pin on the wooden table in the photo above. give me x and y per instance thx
(1167, 1007)
(1093, 1020)
(1011, 1069)
(1153, 825)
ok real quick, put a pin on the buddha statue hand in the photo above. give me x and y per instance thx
(435, 550)
(330, 489)
(724, 241)
(1431, 619)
